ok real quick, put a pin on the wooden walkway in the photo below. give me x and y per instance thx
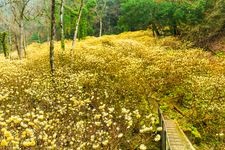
(172, 137)
(176, 138)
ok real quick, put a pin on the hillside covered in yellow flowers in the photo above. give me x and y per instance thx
(105, 98)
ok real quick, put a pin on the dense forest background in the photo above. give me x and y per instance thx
(199, 21)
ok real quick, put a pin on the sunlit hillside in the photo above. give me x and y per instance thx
(106, 97)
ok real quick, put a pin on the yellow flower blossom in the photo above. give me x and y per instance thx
(105, 142)
(4, 143)
(29, 143)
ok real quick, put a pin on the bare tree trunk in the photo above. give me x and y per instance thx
(24, 44)
(62, 25)
(21, 52)
(10, 43)
(39, 38)
(48, 35)
(100, 27)
(52, 66)
(100, 12)
(10, 40)
(17, 45)
(77, 28)
(155, 30)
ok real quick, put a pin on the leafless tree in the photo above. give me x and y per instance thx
(17, 14)
(19, 10)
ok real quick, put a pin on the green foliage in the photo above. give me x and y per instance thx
(141, 14)
(163, 17)
(136, 14)
(211, 27)
(200, 20)
(35, 37)
(195, 20)
(86, 22)
(4, 43)
(195, 132)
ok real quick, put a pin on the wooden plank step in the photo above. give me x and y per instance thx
(177, 140)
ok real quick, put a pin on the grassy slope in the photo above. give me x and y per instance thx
(130, 70)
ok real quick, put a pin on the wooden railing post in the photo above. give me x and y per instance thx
(163, 132)
(163, 136)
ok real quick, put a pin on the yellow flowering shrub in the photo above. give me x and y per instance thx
(105, 99)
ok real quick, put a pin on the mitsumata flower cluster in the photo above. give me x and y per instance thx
(106, 98)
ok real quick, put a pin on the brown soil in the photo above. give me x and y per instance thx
(218, 45)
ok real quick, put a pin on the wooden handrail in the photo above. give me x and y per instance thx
(163, 132)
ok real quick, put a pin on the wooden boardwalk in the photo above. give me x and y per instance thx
(176, 138)
(172, 137)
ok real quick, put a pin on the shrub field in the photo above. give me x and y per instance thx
(105, 98)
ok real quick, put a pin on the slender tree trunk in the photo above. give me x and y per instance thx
(17, 45)
(100, 26)
(10, 39)
(4, 44)
(21, 52)
(77, 28)
(52, 65)
(100, 12)
(109, 28)
(24, 44)
(62, 25)
(48, 37)
(10, 43)
(39, 38)
(175, 29)
(155, 30)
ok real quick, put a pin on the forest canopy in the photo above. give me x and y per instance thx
(201, 19)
